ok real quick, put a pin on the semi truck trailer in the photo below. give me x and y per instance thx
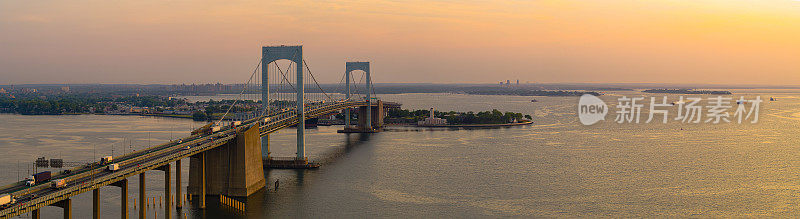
(38, 178)
(6, 200)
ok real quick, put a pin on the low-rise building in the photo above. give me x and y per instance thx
(432, 120)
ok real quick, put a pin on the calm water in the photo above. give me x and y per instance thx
(556, 167)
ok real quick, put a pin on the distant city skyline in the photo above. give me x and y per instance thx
(616, 41)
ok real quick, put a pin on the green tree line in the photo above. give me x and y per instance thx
(78, 103)
(485, 117)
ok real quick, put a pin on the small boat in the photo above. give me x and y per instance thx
(680, 102)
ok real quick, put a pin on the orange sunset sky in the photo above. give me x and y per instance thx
(654, 41)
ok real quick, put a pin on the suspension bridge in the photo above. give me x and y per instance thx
(226, 155)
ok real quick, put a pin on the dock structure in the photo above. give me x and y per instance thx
(288, 163)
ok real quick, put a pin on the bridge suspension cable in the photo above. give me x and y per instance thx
(355, 86)
(240, 93)
(315, 80)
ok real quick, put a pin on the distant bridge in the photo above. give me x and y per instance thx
(225, 157)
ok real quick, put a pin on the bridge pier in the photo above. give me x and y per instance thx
(123, 185)
(202, 180)
(65, 204)
(96, 203)
(178, 195)
(376, 111)
(167, 190)
(142, 197)
(167, 193)
(234, 169)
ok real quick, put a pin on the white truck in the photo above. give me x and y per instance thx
(113, 167)
(6, 200)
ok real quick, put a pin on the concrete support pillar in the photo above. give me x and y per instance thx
(35, 214)
(202, 180)
(167, 191)
(123, 185)
(235, 169)
(142, 197)
(65, 204)
(178, 195)
(96, 203)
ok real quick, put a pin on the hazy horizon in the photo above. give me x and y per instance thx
(555, 85)
(738, 42)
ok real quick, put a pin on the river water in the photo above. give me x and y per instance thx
(555, 167)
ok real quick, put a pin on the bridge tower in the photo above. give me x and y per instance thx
(365, 125)
(271, 54)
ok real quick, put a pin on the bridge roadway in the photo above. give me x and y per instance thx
(95, 175)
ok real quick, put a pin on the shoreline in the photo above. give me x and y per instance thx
(179, 116)
(477, 125)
